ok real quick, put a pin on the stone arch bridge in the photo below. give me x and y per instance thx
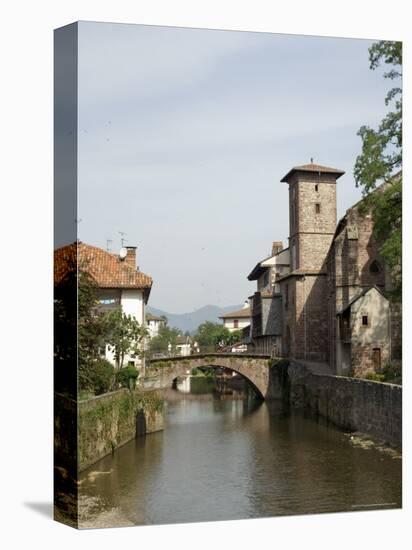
(255, 368)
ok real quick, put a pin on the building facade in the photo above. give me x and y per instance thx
(312, 224)
(237, 320)
(154, 323)
(120, 283)
(266, 302)
(330, 302)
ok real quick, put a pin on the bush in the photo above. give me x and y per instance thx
(392, 373)
(376, 377)
(100, 375)
(127, 376)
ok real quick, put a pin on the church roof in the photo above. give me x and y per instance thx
(311, 167)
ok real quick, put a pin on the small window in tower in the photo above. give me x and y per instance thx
(316, 187)
(317, 208)
(365, 321)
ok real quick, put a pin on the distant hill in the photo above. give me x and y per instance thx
(190, 321)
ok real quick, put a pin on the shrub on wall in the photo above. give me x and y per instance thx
(127, 376)
(100, 376)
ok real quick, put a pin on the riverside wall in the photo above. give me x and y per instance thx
(104, 423)
(353, 404)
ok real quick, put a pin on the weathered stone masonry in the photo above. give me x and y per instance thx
(373, 408)
(108, 421)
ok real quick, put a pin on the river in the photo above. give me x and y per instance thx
(221, 458)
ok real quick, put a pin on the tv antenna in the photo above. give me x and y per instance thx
(122, 239)
(108, 243)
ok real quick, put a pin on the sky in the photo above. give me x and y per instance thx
(185, 134)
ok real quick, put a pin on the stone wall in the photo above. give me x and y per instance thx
(255, 368)
(373, 408)
(110, 420)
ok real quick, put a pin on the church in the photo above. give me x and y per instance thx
(332, 300)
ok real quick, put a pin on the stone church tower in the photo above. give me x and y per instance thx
(312, 224)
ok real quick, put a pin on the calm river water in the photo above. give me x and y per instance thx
(225, 458)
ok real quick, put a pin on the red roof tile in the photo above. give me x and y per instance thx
(107, 269)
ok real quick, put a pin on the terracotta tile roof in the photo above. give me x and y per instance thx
(313, 168)
(240, 313)
(106, 268)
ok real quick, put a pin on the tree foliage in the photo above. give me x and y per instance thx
(380, 164)
(166, 336)
(127, 376)
(100, 376)
(92, 328)
(215, 335)
(125, 336)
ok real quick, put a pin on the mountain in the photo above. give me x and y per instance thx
(190, 321)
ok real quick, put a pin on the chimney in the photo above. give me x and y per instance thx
(277, 246)
(131, 256)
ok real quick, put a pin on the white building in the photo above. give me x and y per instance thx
(237, 320)
(120, 281)
(183, 345)
(154, 322)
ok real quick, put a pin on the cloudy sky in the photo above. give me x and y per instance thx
(184, 135)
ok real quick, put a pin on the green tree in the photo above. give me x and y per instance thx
(214, 335)
(125, 336)
(92, 329)
(166, 336)
(380, 164)
(100, 376)
(127, 376)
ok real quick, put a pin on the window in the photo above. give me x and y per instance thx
(317, 208)
(235, 323)
(365, 321)
(286, 296)
(375, 267)
(266, 279)
(316, 187)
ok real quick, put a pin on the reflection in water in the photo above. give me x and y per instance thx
(221, 459)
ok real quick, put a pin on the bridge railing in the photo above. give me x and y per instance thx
(162, 354)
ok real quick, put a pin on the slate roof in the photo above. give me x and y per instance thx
(300, 273)
(107, 269)
(259, 268)
(318, 168)
(356, 298)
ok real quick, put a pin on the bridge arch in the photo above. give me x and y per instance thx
(255, 368)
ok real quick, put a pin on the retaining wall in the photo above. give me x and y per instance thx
(108, 421)
(354, 404)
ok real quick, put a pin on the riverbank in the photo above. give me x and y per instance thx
(222, 459)
(352, 404)
(108, 421)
